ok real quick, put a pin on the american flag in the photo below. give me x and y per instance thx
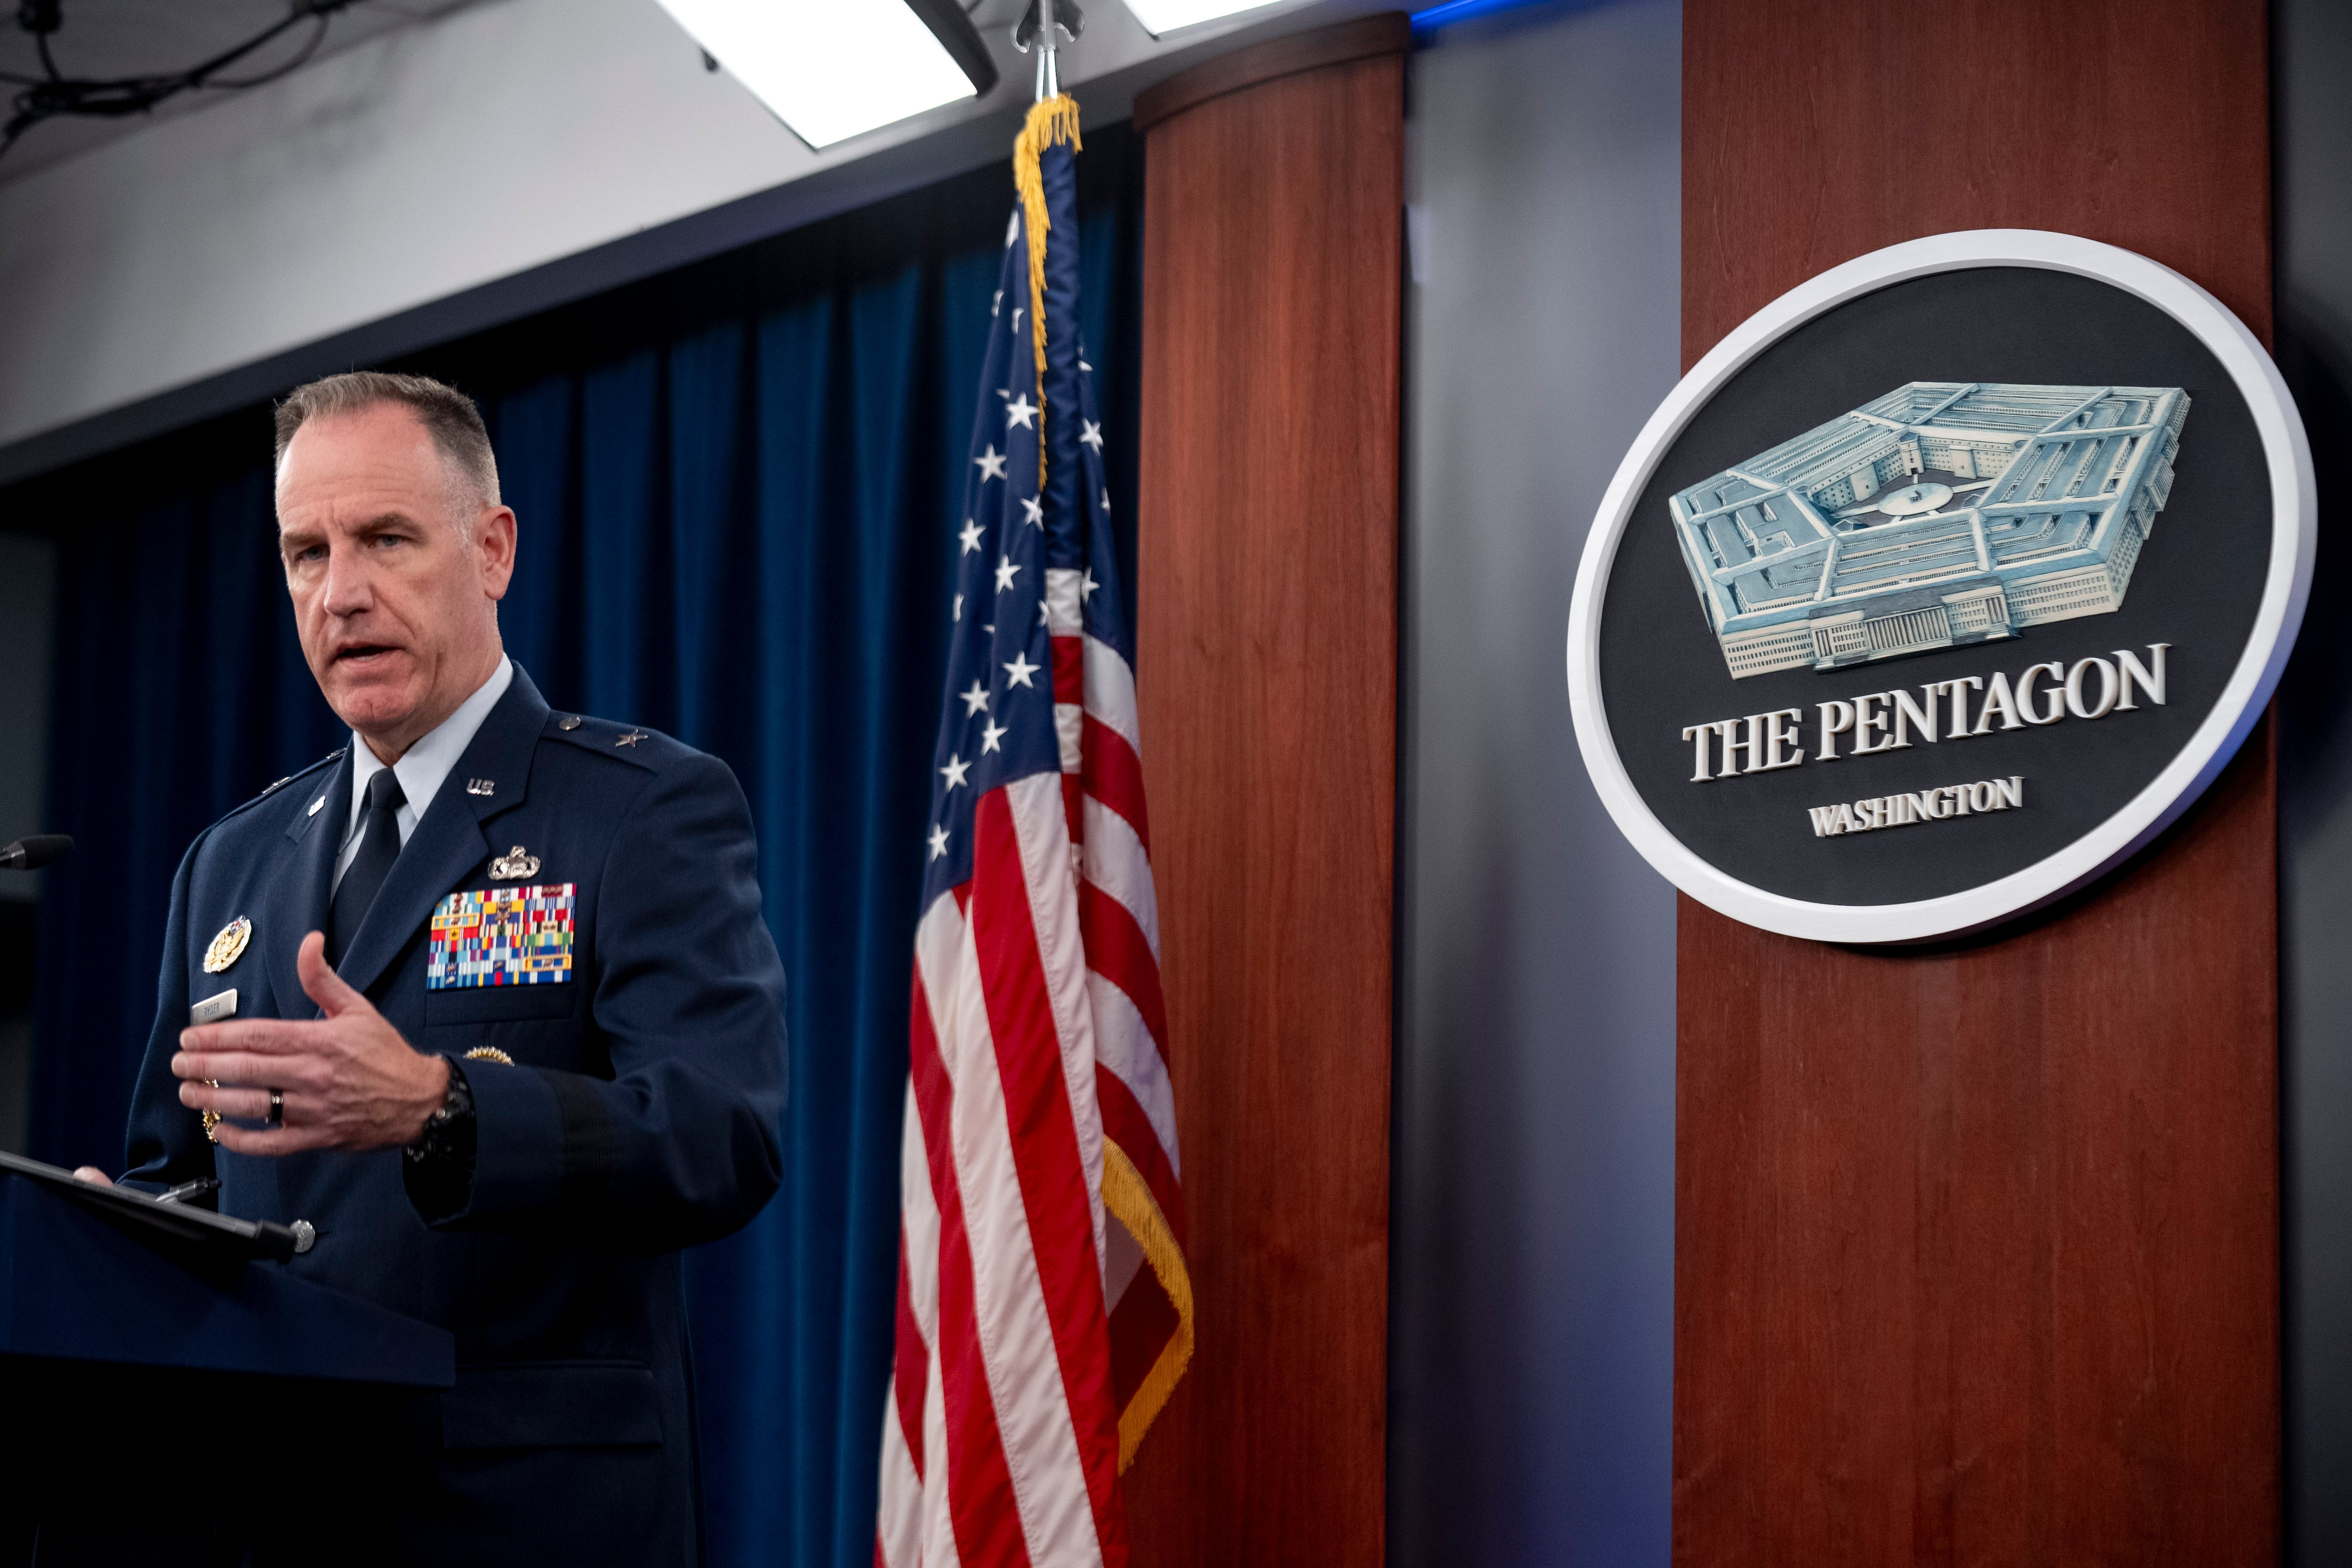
(1044, 1309)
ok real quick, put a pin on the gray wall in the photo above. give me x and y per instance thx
(2312, 61)
(1532, 1331)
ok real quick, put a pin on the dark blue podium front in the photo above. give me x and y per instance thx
(167, 1402)
(75, 1288)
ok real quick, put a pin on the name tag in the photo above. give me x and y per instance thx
(502, 936)
(213, 1009)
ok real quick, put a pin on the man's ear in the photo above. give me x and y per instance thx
(494, 547)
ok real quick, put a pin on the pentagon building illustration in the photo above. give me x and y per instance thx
(1941, 513)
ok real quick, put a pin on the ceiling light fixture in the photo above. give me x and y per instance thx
(831, 70)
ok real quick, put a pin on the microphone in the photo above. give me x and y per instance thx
(35, 851)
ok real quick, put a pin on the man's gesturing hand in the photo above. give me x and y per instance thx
(349, 1080)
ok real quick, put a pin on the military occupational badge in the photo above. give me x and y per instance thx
(515, 866)
(502, 936)
(228, 946)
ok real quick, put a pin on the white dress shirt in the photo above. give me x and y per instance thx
(421, 767)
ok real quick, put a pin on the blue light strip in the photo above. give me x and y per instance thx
(1437, 16)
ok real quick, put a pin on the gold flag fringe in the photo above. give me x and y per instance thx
(1129, 1200)
(1051, 122)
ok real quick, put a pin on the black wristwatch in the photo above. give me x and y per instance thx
(439, 1163)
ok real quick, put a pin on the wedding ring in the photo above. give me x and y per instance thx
(276, 1107)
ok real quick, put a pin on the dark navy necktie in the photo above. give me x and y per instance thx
(379, 847)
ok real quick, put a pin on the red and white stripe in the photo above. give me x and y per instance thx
(1036, 1031)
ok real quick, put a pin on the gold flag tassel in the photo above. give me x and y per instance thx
(1129, 1201)
(1052, 120)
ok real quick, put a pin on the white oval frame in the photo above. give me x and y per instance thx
(2293, 531)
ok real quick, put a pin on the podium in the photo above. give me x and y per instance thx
(175, 1396)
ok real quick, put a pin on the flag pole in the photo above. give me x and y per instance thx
(1049, 84)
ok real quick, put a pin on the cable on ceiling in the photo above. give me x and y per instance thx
(55, 94)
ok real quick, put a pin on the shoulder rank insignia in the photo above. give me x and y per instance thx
(228, 946)
(514, 865)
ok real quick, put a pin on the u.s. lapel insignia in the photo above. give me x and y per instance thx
(228, 946)
(481, 786)
(514, 865)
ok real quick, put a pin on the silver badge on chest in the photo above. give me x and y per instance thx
(514, 865)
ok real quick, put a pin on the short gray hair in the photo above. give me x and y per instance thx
(447, 414)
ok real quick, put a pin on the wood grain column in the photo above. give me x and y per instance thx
(1977, 1250)
(1267, 598)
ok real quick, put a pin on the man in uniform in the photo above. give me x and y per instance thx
(481, 1006)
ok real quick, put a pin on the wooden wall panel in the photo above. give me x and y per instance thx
(1977, 1250)
(1814, 131)
(1267, 540)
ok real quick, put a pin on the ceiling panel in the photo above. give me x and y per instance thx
(106, 38)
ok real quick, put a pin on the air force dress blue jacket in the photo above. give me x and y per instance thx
(637, 1112)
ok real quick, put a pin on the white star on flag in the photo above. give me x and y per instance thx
(1091, 436)
(991, 737)
(971, 536)
(1005, 571)
(1018, 672)
(939, 842)
(1033, 510)
(955, 771)
(1021, 411)
(991, 463)
(975, 700)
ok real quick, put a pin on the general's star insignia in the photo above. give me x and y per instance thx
(514, 865)
(631, 739)
(228, 946)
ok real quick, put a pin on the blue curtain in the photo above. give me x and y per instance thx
(735, 484)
